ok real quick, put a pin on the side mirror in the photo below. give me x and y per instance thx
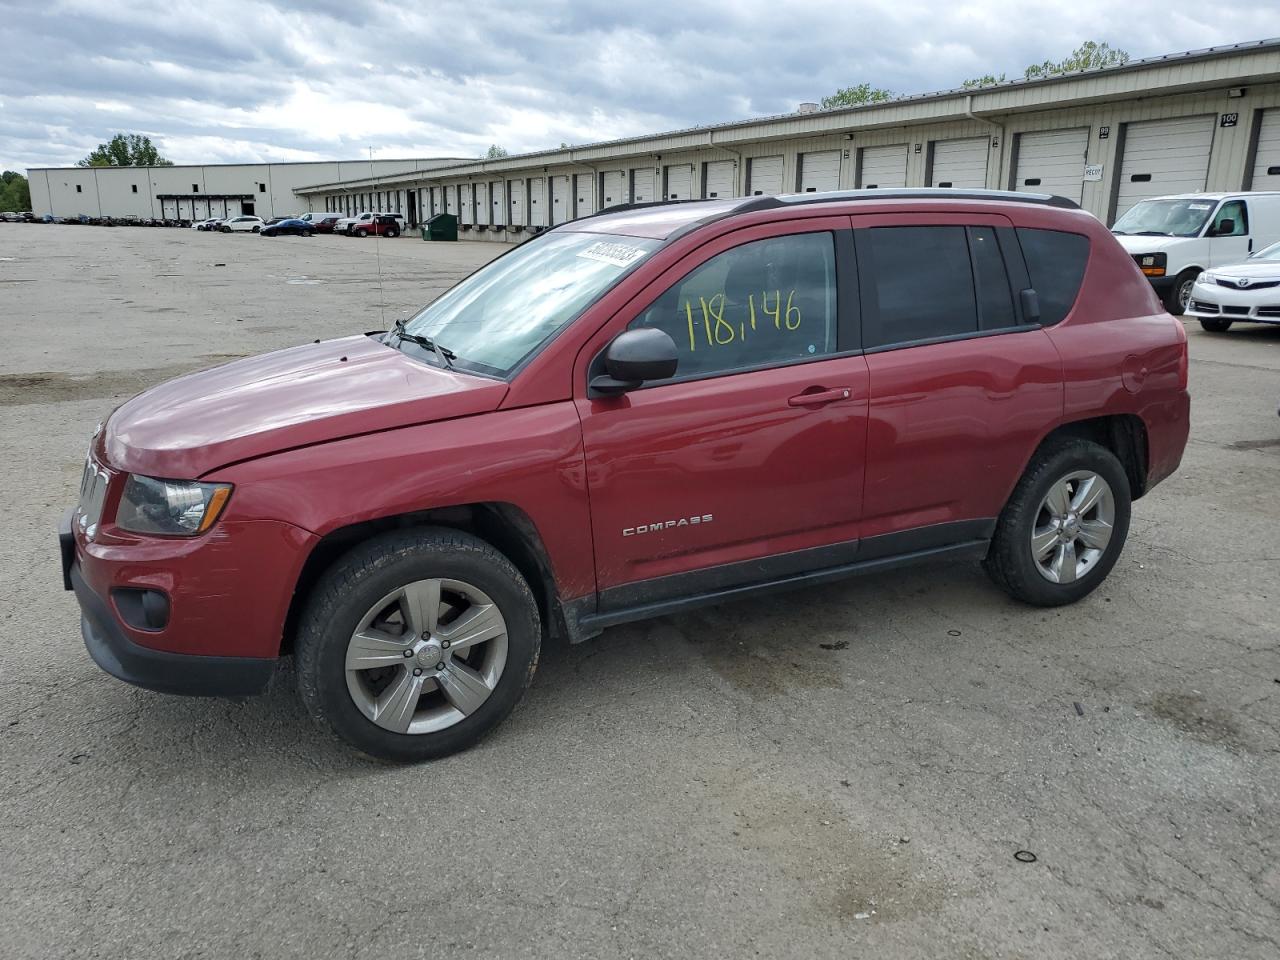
(1030, 306)
(633, 357)
(1225, 228)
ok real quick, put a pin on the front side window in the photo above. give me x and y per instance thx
(764, 303)
(1235, 211)
(505, 311)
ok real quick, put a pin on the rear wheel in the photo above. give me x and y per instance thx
(416, 644)
(393, 233)
(1179, 295)
(362, 232)
(256, 229)
(1064, 527)
(1216, 326)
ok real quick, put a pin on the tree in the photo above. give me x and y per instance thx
(496, 152)
(1090, 55)
(15, 192)
(126, 150)
(853, 96)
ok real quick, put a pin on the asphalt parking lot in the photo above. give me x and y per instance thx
(842, 772)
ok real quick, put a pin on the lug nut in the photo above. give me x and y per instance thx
(408, 653)
(440, 665)
(444, 644)
(417, 671)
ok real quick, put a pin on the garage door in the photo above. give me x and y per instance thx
(482, 203)
(584, 190)
(1266, 161)
(1163, 156)
(537, 202)
(960, 163)
(497, 203)
(679, 178)
(561, 200)
(882, 167)
(1052, 161)
(615, 188)
(764, 176)
(717, 178)
(642, 185)
(819, 171)
(516, 206)
(467, 205)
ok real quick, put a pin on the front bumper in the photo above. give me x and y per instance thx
(1215, 302)
(193, 663)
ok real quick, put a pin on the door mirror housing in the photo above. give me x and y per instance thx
(1225, 227)
(1030, 301)
(633, 357)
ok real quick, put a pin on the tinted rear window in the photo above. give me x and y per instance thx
(923, 283)
(1056, 262)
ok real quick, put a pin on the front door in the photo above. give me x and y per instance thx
(1228, 233)
(747, 465)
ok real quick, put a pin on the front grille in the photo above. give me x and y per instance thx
(1253, 284)
(1236, 311)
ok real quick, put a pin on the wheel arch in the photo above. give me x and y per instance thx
(1124, 434)
(504, 526)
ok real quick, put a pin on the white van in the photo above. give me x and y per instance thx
(1174, 238)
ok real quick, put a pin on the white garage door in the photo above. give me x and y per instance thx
(717, 178)
(1266, 162)
(882, 167)
(451, 199)
(642, 185)
(820, 171)
(679, 177)
(1052, 161)
(516, 189)
(537, 202)
(1164, 156)
(960, 163)
(465, 201)
(482, 203)
(561, 200)
(615, 188)
(764, 176)
(584, 190)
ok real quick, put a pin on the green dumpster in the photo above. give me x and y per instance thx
(443, 226)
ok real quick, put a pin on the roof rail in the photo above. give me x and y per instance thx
(926, 193)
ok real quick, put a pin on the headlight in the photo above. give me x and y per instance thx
(180, 508)
(1152, 264)
(1207, 277)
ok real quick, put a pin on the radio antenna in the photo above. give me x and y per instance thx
(377, 251)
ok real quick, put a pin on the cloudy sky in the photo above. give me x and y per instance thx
(246, 80)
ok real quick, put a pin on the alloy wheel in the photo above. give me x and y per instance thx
(426, 656)
(1073, 526)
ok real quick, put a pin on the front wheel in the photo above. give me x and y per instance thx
(1216, 326)
(257, 229)
(362, 232)
(1179, 296)
(1064, 527)
(416, 644)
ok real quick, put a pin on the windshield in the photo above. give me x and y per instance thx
(502, 313)
(1165, 218)
(1268, 253)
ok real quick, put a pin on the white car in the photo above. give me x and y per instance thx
(1247, 292)
(348, 225)
(242, 225)
(210, 224)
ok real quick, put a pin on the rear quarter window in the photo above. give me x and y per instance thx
(1055, 262)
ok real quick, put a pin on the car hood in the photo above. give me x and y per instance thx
(1149, 244)
(1253, 269)
(184, 428)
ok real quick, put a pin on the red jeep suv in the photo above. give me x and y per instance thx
(630, 415)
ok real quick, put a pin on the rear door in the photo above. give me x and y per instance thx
(960, 388)
(748, 464)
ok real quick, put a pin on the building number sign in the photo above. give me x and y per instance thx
(1229, 120)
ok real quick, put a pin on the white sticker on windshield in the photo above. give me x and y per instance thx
(610, 251)
(1200, 206)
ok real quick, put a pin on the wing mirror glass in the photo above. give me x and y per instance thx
(633, 357)
(1225, 228)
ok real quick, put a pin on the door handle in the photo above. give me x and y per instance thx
(814, 397)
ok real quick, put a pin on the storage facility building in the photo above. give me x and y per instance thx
(1202, 120)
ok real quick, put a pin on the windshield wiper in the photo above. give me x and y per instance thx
(444, 353)
(1152, 233)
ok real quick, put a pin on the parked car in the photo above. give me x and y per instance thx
(289, 227)
(704, 400)
(381, 224)
(1246, 292)
(1173, 239)
(243, 224)
(11, 216)
(213, 223)
(325, 222)
(350, 225)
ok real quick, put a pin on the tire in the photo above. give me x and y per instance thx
(256, 230)
(392, 234)
(1011, 561)
(308, 233)
(362, 232)
(1175, 301)
(226, 229)
(1216, 326)
(368, 579)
